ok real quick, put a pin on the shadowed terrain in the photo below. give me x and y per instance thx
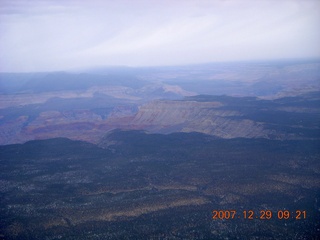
(158, 186)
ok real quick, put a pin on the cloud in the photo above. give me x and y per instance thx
(54, 35)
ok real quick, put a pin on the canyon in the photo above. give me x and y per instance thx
(151, 153)
(85, 106)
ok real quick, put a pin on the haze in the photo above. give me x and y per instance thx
(61, 35)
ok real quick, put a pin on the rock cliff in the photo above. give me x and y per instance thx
(192, 116)
(220, 116)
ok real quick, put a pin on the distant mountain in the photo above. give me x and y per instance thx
(273, 79)
(63, 81)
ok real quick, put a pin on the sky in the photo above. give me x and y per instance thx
(54, 35)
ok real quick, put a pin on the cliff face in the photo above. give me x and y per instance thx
(220, 116)
(83, 125)
(192, 116)
(231, 117)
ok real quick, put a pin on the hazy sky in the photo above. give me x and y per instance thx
(41, 35)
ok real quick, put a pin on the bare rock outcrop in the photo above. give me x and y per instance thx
(192, 116)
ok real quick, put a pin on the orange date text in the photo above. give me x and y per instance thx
(262, 214)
